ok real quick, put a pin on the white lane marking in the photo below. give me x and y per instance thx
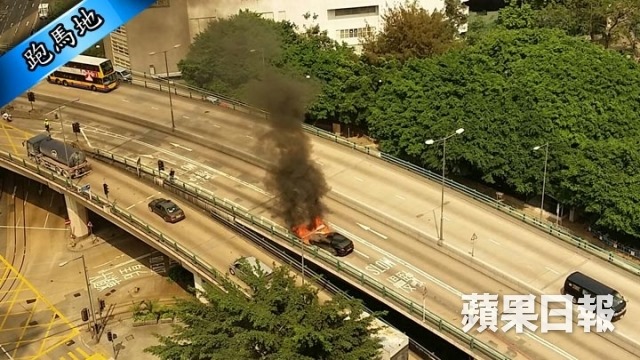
(85, 137)
(248, 136)
(441, 284)
(361, 253)
(141, 201)
(369, 229)
(550, 345)
(216, 126)
(357, 178)
(125, 100)
(180, 147)
(46, 219)
(401, 197)
(186, 117)
(109, 262)
(397, 260)
(131, 261)
(183, 158)
(446, 218)
(553, 271)
(495, 242)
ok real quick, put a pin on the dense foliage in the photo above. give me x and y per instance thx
(281, 321)
(411, 31)
(512, 87)
(511, 91)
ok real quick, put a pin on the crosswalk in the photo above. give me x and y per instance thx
(80, 354)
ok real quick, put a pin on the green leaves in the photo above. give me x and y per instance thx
(511, 91)
(281, 321)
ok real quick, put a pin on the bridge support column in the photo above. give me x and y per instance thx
(77, 215)
(198, 284)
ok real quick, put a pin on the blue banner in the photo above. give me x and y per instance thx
(60, 41)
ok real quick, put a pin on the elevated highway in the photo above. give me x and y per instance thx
(406, 201)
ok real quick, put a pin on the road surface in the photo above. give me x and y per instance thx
(400, 195)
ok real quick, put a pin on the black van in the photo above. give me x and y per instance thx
(578, 285)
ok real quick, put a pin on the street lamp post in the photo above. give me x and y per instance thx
(59, 116)
(544, 176)
(166, 65)
(444, 165)
(474, 237)
(86, 278)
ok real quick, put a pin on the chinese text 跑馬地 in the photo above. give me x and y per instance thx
(38, 54)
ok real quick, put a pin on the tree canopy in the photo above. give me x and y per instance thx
(281, 321)
(514, 90)
(409, 30)
(521, 83)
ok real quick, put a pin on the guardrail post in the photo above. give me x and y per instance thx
(472, 343)
(10, 157)
(175, 246)
(161, 237)
(195, 259)
(148, 229)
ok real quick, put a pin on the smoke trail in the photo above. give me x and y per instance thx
(295, 178)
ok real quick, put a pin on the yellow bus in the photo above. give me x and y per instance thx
(86, 72)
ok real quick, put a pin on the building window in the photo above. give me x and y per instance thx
(363, 10)
(355, 33)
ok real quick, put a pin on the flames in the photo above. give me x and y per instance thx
(316, 227)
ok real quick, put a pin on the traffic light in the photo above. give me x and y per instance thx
(105, 188)
(84, 314)
(160, 165)
(111, 336)
(102, 304)
(31, 96)
(172, 173)
(76, 127)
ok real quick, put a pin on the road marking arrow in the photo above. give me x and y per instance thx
(367, 228)
(180, 146)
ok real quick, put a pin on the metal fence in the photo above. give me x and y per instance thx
(559, 232)
(113, 209)
(209, 201)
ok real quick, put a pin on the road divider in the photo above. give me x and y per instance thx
(558, 232)
(209, 202)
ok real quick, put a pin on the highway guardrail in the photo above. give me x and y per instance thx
(556, 231)
(207, 200)
(116, 211)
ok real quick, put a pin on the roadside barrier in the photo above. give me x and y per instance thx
(561, 233)
(210, 202)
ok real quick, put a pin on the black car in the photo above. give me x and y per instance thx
(167, 209)
(337, 244)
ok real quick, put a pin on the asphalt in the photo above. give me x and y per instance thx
(532, 257)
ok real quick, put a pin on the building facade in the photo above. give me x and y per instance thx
(172, 22)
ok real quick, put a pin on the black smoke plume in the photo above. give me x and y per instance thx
(294, 178)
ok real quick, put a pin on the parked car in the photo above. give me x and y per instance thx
(167, 210)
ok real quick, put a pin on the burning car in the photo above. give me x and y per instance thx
(318, 233)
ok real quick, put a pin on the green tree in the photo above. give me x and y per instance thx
(408, 31)
(513, 90)
(516, 16)
(232, 51)
(281, 321)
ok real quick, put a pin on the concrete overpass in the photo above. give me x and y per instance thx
(350, 172)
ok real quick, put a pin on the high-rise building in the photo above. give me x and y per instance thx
(139, 45)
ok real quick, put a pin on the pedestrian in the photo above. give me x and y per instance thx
(46, 125)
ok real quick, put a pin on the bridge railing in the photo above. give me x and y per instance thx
(112, 208)
(208, 200)
(559, 232)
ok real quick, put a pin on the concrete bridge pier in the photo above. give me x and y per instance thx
(78, 217)
(198, 284)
